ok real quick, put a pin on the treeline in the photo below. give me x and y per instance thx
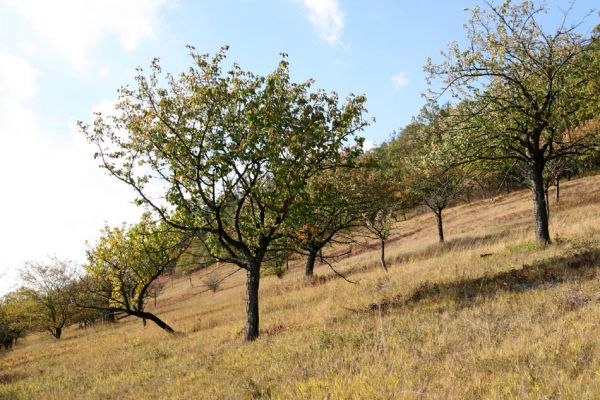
(252, 171)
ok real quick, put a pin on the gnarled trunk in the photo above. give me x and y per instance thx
(161, 324)
(540, 210)
(310, 263)
(252, 318)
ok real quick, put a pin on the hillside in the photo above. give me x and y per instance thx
(489, 314)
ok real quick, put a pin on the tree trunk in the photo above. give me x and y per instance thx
(110, 317)
(557, 189)
(252, 319)
(547, 202)
(542, 234)
(382, 256)
(310, 263)
(440, 225)
(161, 324)
(57, 333)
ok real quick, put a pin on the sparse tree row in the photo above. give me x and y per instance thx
(260, 172)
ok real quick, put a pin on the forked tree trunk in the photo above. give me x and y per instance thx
(252, 319)
(382, 256)
(540, 210)
(310, 263)
(440, 224)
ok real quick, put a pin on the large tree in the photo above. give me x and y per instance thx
(226, 155)
(523, 90)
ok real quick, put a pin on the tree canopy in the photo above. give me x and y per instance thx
(226, 155)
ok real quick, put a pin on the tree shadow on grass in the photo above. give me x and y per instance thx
(577, 266)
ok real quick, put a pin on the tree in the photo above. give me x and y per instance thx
(330, 208)
(125, 263)
(384, 200)
(233, 151)
(16, 311)
(51, 287)
(522, 92)
(432, 170)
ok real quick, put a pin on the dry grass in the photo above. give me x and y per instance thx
(487, 315)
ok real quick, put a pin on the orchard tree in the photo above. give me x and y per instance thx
(16, 317)
(523, 90)
(226, 155)
(433, 170)
(330, 209)
(51, 286)
(384, 199)
(124, 266)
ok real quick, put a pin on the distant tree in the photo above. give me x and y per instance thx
(330, 209)
(233, 151)
(51, 286)
(127, 261)
(16, 312)
(433, 170)
(91, 308)
(523, 91)
(384, 201)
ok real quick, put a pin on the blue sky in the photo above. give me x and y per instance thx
(60, 60)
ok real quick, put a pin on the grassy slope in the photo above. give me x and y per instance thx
(444, 323)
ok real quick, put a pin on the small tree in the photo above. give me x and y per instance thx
(127, 261)
(51, 285)
(330, 208)
(233, 152)
(433, 170)
(523, 91)
(16, 317)
(384, 200)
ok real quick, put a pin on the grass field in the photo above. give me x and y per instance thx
(490, 314)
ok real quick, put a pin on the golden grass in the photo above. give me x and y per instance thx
(445, 322)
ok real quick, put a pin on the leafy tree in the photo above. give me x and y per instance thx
(232, 150)
(16, 311)
(51, 287)
(125, 263)
(331, 207)
(432, 170)
(384, 200)
(523, 91)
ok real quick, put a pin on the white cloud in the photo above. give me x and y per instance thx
(400, 80)
(73, 26)
(327, 19)
(54, 197)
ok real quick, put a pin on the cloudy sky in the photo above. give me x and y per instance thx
(62, 59)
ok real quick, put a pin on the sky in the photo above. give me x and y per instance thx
(61, 60)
